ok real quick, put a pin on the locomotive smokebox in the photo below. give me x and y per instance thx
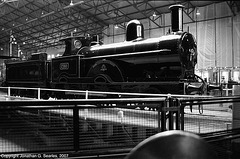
(177, 17)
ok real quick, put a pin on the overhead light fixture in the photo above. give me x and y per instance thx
(197, 12)
(154, 14)
(71, 3)
(116, 26)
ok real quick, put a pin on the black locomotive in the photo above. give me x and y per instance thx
(155, 65)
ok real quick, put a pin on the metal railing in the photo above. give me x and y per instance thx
(86, 94)
(107, 126)
(76, 125)
(209, 114)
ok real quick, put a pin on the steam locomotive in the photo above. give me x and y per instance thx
(155, 65)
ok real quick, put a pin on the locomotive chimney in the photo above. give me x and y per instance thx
(177, 17)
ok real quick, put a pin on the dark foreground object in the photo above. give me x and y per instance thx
(171, 145)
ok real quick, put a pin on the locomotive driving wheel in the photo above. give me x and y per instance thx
(104, 73)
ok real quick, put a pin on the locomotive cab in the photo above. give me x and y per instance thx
(74, 45)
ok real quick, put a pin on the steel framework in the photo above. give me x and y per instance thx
(39, 24)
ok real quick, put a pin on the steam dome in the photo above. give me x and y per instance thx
(134, 30)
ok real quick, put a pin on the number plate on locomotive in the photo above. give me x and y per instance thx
(64, 66)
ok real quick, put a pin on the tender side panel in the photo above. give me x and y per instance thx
(34, 72)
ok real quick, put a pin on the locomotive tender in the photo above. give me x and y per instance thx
(155, 65)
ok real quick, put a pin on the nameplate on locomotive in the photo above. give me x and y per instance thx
(64, 66)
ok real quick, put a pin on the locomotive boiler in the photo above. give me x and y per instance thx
(156, 65)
